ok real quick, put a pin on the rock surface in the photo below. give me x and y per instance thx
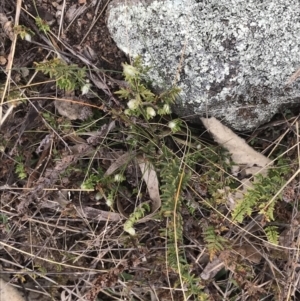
(231, 58)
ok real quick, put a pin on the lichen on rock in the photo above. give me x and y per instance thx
(231, 58)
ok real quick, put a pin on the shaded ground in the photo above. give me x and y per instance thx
(59, 238)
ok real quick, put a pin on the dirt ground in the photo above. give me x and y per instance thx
(59, 240)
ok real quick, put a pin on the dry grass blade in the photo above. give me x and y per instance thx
(10, 60)
(78, 163)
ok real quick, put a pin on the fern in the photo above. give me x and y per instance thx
(259, 197)
(272, 234)
(214, 242)
(42, 25)
(244, 207)
(174, 181)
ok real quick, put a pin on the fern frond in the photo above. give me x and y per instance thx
(272, 234)
(214, 242)
(244, 207)
(268, 212)
(259, 197)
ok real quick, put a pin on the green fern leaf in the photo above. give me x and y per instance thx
(272, 234)
(214, 242)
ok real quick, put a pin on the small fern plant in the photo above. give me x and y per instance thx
(174, 181)
(215, 243)
(42, 25)
(272, 234)
(259, 197)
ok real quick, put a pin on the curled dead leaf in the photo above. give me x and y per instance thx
(7, 25)
(150, 177)
(241, 153)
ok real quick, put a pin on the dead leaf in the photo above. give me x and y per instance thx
(98, 215)
(8, 292)
(150, 177)
(212, 268)
(3, 60)
(248, 159)
(45, 143)
(119, 162)
(241, 152)
(71, 13)
(248, 252)
(8, 26)
(72, 109)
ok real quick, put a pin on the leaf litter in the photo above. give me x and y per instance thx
(77, 244)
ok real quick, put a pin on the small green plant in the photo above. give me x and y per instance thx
(50, 118)
(108, 187)
(24, 32)
(92, 181)
(141, 101)
(174, 180)
(42, 25)
(174, 176)
(259, 197)
(134, 217)
(214, 242)
(175, 125)
(68, 77)
(272, 234)
(20, 168)
(4, 221)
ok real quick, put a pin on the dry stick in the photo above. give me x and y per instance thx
(61, 18)
(280, 138)
(177, 196)
(297, 251)
(10, 247)
(10, 59)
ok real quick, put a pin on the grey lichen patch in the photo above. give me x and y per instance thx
(231, 58)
